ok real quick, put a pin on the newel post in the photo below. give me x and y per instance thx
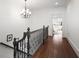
(47, 31)
(28, 44)
(43, 33)
(15, 47)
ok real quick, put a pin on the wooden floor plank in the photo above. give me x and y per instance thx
(55, 47)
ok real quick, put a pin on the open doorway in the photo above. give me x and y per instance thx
(57, 29)
(57, 25)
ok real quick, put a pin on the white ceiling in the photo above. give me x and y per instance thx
(36, 4)
(47, 3)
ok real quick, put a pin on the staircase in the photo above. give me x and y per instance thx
(25, 47)
(5, 51)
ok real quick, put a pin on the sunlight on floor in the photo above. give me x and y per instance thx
(57, 39)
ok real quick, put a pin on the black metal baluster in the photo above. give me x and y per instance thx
(17, 49)
(14, 43)
(22, 49)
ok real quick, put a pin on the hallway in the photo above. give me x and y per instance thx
(55, 48)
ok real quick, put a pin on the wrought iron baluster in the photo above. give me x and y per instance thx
(15, 47)
(22, 48)
(17, 50)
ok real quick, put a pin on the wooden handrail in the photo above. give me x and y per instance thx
(20, 44)
(24, 37)
(35, 31)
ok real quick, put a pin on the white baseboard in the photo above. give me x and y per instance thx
(73, 46)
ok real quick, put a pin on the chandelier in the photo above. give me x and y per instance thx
(26, 13)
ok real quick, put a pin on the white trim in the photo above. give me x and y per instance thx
(73, 46)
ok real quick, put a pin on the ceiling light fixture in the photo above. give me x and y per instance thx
(56, 3)
(26, 13)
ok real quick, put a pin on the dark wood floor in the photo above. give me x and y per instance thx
(55, 47)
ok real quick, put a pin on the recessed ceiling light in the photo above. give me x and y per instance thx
(56, 3)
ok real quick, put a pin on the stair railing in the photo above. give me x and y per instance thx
(24, 46)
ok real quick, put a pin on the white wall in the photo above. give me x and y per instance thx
(72, 24)
(45, 17)
(11, 21)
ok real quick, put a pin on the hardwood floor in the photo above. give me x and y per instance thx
(55, 47)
